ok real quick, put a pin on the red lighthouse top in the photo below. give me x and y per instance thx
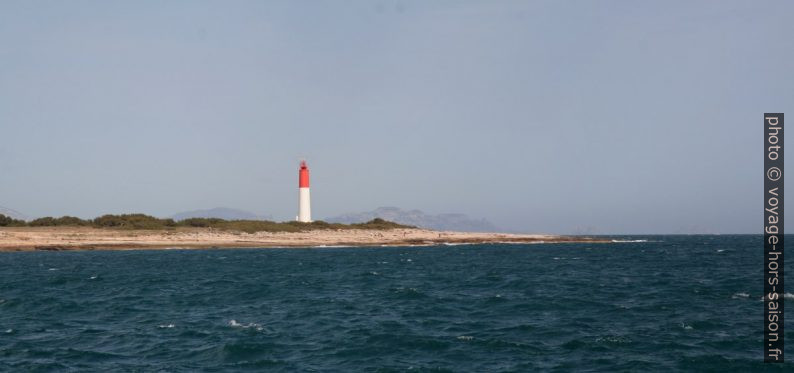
(303, 175)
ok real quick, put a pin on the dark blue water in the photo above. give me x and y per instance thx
(689, 303)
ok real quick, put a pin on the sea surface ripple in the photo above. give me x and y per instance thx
(673, 303)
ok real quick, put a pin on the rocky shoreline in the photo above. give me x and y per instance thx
(81, 238)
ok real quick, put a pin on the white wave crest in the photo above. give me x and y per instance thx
(780, 296)
(253, 325)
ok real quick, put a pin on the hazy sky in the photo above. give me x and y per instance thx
(557, 116)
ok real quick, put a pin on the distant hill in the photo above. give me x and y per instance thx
(220, 213)
(446, 222)
(13, 214)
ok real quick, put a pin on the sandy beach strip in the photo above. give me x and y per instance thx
(79, 238)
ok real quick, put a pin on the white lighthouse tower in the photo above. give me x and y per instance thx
(304, 200)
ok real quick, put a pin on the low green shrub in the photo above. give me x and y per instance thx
(7, 221)
(142, 221)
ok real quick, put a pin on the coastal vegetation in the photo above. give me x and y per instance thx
(142, 221)
(6, 221)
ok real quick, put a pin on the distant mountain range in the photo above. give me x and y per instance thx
(13, 214)
(446, 222)
(220, 213)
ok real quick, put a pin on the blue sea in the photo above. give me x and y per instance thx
(665, 303)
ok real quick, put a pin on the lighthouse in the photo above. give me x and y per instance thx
(304, 201)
